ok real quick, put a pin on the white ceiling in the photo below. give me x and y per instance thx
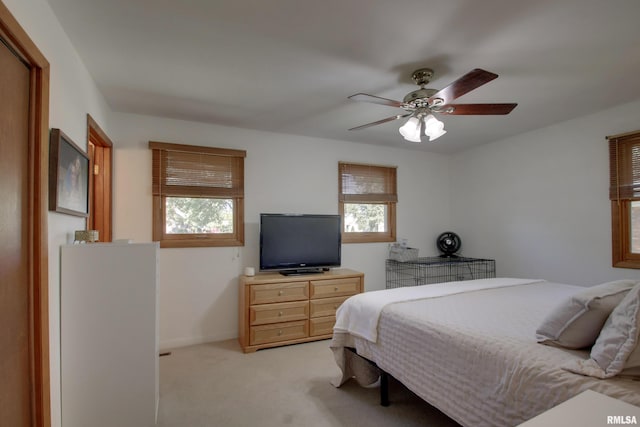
(288, 66)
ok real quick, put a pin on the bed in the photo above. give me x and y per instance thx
(468, 348)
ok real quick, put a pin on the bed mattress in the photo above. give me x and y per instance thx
(474, 355)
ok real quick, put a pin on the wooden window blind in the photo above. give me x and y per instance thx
(624, 158)
(191, 171)
(367, 183)
(624, 193)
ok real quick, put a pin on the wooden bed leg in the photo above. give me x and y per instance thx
(384, 388)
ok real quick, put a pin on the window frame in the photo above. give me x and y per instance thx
(389, 198)
(624, 173)
(236, 195)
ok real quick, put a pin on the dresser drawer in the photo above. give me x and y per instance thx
(278, 332)
(325, 306)
(279, 292)
(335, 287)
(322, 326)
(280, 312)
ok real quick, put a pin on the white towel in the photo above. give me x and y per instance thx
(359, 315)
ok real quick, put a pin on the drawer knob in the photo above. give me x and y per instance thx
(335, 289)
(279, 293)
(280, 313)
(279, 333)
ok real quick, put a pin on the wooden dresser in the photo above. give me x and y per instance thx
(277, 310)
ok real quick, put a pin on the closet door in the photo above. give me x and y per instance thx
(15, 388)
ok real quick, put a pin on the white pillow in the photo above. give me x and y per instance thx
(617, 349)
(577, 321)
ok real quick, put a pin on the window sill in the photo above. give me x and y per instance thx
(627, 264)
(367, 238)
(199, 243)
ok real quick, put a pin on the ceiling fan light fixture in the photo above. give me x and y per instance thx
(411, 130)
(433, 127)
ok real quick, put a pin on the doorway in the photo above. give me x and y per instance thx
(100, 151)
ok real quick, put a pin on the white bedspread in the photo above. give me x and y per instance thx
(359, 315)
(474, 355)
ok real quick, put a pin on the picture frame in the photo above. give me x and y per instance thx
(68, 176)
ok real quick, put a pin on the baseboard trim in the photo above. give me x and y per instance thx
(187, 341)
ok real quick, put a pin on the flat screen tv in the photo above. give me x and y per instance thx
(299, 244)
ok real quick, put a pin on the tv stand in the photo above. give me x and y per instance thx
(301, 271)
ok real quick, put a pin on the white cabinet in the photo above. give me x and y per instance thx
(109, 334)
(588, 409)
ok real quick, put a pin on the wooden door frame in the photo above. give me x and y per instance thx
(97, 137)
(38, 256)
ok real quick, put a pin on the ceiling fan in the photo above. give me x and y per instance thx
(421, 104)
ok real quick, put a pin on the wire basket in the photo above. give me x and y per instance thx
(403, 254)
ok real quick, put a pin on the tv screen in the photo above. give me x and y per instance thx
(292, 243)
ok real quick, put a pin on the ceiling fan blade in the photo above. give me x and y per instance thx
(476, 109)
(470, 81)
(379, 122)
(363, 97)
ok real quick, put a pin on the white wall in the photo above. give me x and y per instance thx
(73, 94)
(538, 202)
(283, 173)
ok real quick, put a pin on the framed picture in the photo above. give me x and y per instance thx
(68, 176)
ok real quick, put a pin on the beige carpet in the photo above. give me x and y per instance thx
(215, 384)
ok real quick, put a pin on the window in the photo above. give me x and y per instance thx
(367, 202)
(198, 195)
(624, 192)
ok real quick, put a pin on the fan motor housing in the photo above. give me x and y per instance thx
(419, 98)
